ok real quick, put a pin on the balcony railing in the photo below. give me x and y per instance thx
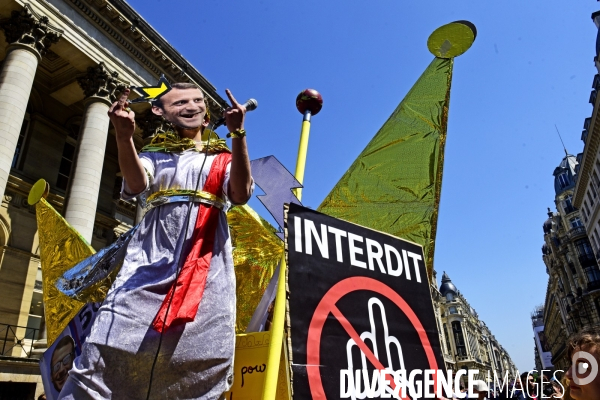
(17, 341)
(569, 209)
(577, 231)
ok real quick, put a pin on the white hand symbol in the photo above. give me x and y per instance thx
(389, 341)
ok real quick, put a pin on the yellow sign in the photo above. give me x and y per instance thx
(250, 364)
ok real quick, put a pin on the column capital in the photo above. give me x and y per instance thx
(25, 29)
(100, 84)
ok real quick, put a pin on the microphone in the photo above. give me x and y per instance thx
(250, 105)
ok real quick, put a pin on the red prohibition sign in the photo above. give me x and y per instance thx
(327, 305)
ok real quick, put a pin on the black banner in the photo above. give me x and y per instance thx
(358, 300)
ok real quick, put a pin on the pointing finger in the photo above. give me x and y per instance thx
(120, 103)
(234, 102)
(124, 96)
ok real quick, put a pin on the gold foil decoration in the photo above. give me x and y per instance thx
(171, 142)
(452, 40)
(394, 185)
(185, 192)
(61, 247)
(257, 252)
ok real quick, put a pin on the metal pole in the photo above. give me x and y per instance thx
(309, 103)
(302, 151)
(277, 327)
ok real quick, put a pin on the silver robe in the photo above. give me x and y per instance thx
(196, 359)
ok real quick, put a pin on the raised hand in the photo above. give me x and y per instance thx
(393, 350)
(234, 115)
(122, 118)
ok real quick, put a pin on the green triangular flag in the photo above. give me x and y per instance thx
(394, 185)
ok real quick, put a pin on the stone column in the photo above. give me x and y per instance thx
(99, 86)
(29, 36)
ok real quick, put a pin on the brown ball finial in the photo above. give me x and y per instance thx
(311, 100)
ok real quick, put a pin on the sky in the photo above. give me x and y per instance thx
(530, 68)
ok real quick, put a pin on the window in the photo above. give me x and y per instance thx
(568, 205)
(497, 355)
(586, 210)
(595, 179)
(36, 309)
(66, 164)
(20, 150)
(449, 297)
(68, 157)
(452, 310)
(563, 180)
(473, 345)
(593, 274)
(575, 222)
(590, 197)
(459, 339)
(584, 248)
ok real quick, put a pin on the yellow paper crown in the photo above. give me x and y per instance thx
(151, 93)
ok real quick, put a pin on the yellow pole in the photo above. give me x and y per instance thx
(277, 327)
(302, 150)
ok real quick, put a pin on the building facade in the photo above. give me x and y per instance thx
(572, 238)
(61, 64)
(585, 193)
(467, 342)
(572, 296)
(542, 353)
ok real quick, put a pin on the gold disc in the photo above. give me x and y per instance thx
(452, 40)
(39, 190)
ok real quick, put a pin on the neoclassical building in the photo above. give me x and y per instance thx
(587, 187)
(467, 342)
(61, 64)
(573, 292)
(572, 237)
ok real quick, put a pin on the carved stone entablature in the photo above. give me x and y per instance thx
(99, 82)
(120, 22)
(17, 200)
(26, 28)
(152, 124)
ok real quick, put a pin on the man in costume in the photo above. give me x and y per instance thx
(166, 328)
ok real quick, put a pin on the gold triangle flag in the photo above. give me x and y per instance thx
(61, 247)
(394, 185)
